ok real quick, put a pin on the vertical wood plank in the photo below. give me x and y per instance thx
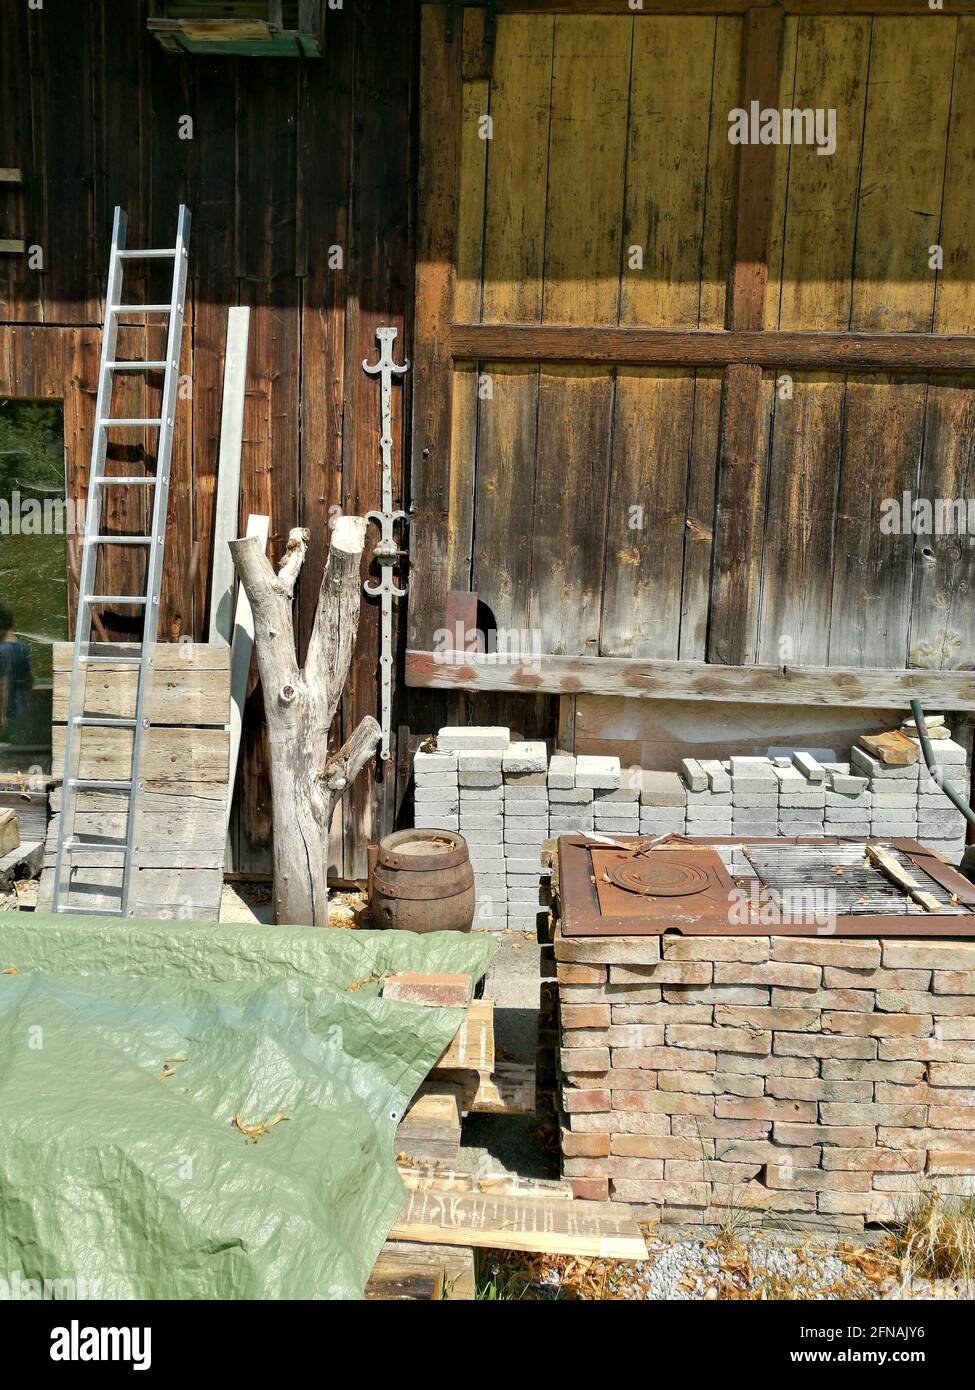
(667, 168)
(19, 285)
(379, 285)
(804, 460)
(517, 180)
(942, 634)
(756, 172)
(955, 302)
(325, 114)
(575, 411)
(901, 185)
(583, 241)
(699, 517)
(584, 222)
(215, 290)
(645, 521)
(437, 206)
(266, 211)
(722, 175)
(173, 176)
(872, 583)
(517, 174)
(507, 446)
(819, 216)
(61, 100)
(737, 568)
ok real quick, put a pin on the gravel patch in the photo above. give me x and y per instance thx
(746, 1266)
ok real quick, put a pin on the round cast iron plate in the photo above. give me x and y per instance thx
(658, 877)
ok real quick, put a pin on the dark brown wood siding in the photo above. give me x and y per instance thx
(288, 159)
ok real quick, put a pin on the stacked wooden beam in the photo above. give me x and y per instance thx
(181, 829)
(447, 1213)
(819, 1078)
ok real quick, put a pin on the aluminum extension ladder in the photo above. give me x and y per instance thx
(120, 850)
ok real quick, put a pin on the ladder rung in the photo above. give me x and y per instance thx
(134, 366)
(92, 911)
(115, 598)
(99, 783)
(140, 308)
(114, 478)
(148, 420)
(103, 846)
(99, 721)
(150, 253)
(111, 660)
(118, 540)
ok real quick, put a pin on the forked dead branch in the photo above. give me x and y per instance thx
(300, 703)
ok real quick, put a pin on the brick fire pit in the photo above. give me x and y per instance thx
(819, 1076)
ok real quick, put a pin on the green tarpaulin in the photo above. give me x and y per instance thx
(127, 1049)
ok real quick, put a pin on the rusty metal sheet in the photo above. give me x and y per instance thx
(595, 898)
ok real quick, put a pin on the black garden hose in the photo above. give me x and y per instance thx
(935, 770)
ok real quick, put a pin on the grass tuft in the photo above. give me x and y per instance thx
(937, 1240)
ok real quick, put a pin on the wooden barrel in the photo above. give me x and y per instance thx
(422, 880)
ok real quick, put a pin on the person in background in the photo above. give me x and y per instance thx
(16, 677)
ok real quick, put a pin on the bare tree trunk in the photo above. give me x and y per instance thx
(306, 783)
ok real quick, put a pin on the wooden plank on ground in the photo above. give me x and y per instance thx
(605, 1230)
(9, 831)
(508, 1090)
(499, 1184)
(430, 1129)
(472, 1048)
(422, 1273)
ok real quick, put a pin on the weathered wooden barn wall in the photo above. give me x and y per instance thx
(681, 454)
(288, 159)
(658, 508)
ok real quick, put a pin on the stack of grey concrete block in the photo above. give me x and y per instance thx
(663, 803)
(506, 798)
(796, 795)
(526, 825)
(907, 801)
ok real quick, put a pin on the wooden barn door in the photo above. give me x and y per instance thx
(577, 174)
(610, 294)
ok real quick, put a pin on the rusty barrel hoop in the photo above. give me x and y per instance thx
(422, 880)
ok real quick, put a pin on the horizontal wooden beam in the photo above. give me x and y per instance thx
(666, 347)
(651, 7)
(691, 680)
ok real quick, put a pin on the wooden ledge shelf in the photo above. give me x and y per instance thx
(692, 680)
(610, 345)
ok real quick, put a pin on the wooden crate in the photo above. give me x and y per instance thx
(181, 831)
